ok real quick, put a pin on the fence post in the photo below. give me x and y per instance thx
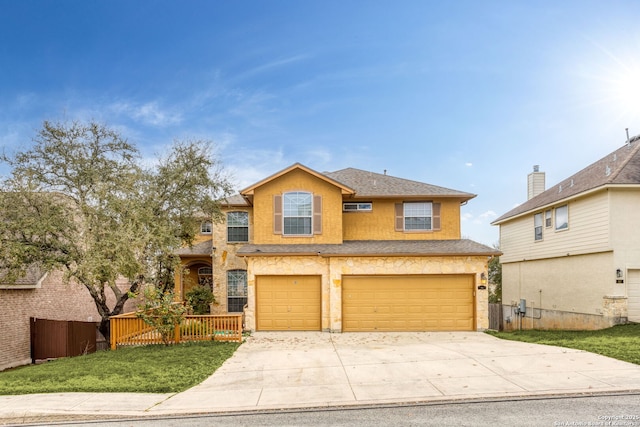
(176, 334)
(112, 333)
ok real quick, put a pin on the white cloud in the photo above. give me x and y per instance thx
(149, 113)
(468, 164)
(319, 157)
(273, 64)
(488, 214)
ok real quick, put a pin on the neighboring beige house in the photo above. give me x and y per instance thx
(572, 252)
(350, 250)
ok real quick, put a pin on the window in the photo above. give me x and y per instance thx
(205, 277)
(297, 214)
(205, 227)
(537, 226)
(236, 290)
(547, 218)
(238, 227)
(417, 216)
(562, 217)
(357, 207)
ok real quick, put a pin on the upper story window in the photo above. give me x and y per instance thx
(205, 227)
(417, 216)
(297, 213)
(238, 227)
(357, 207)
(547, 218)
(537, 226)
(562, 217)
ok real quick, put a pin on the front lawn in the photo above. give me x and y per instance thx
(149, 369)
(620, 342)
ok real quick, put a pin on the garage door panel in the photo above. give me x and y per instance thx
(288, 303)
(408, 303)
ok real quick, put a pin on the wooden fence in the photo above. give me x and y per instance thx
(51, 339)
(128, 329)
(495, 316)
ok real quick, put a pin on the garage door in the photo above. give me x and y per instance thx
(633, 294)
(408, 303)
(288, 303)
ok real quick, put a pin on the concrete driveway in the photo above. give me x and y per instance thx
(292, 369)
(276, 370)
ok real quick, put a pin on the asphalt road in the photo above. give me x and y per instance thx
(606, 410)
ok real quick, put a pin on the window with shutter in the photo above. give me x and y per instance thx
(436, 216)
(417, 216)
(277, 214)
(297, 213)
(399, 217)
(317, 214)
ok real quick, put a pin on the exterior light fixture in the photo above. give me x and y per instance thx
(619, 273)
(483, 278)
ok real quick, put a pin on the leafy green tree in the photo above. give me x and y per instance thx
(495, 279)
(81, 199)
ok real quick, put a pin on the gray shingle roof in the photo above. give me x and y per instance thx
(622, 167)
(202, 248)
(371, 184)
(32, 276)
(234, 200)
(375, 248)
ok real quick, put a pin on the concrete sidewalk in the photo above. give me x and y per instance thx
(283, 370)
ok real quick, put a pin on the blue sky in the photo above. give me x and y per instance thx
(463, 94)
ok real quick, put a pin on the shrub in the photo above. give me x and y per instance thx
(199, 298)
(160, 311)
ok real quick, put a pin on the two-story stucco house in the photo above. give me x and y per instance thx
(572, 252)
(350, 250)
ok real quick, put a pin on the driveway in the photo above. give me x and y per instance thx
(276, 370)
(314, 369)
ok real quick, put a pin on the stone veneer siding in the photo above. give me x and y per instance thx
(332, 269)
(225, 259)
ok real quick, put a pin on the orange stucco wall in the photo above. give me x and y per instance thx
(379, 224)
(297, 180)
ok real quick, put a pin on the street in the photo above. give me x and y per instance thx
(607, 410)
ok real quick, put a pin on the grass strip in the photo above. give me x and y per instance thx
(620, 342)
(148, 369)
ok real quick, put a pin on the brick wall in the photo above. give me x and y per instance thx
(54, 300)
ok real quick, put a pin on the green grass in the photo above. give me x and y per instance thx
(619, 342)
(149, 369)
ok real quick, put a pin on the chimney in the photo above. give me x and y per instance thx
(535, 183)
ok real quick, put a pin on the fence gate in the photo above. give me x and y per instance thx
(495, 317)
(51, 339)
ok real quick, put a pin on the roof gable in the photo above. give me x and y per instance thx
(249, 191)
(621, 167)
